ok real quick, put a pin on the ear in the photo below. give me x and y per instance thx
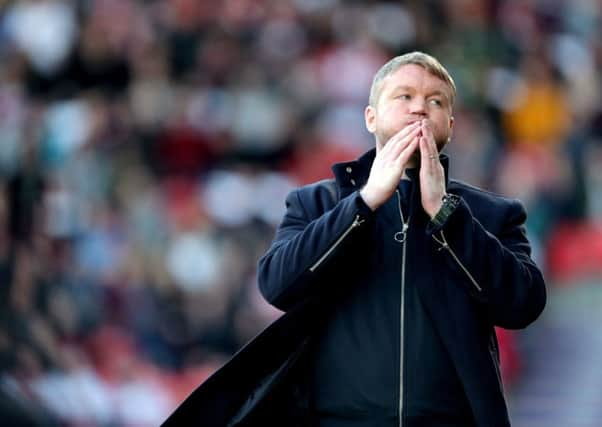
(370, 118)
(451, 126)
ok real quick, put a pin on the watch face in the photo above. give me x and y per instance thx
(451, 198)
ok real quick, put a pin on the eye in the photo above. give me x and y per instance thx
(404, 96)
(436, 102)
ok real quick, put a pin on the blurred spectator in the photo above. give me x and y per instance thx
(538, 112)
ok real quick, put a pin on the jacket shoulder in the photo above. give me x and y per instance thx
(319, 197)
(491, 209)
(473, 193)
(325, 187)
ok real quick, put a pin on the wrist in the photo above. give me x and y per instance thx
(434, 210)
(369, 199)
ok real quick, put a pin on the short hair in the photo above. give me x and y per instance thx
(428, 62)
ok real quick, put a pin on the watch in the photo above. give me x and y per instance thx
(449, 204)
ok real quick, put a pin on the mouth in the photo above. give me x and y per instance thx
(409, 122)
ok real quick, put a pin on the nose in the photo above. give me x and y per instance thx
(418, 106)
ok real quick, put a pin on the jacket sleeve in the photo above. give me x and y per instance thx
(497, 269)
(304, 246)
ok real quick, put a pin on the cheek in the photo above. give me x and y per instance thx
(392, 116)
(442, 123)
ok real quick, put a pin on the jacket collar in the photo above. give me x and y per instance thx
(354, 174)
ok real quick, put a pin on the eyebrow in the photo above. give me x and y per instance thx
(409, 88)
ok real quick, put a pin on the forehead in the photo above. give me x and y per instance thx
(415, 77)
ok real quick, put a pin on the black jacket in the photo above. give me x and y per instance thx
(471, 273)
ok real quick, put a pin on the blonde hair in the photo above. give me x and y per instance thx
(429, 63)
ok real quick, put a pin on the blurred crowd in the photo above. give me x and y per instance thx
(146, 147)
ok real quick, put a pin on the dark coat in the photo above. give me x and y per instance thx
(481, 259)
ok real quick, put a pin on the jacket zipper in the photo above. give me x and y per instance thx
(401, 237)
(356, 222)
(445, 245)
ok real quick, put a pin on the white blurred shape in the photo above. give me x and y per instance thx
(142, 403)
(44, 30)
(575, 61)
(227, 197)
(271, 190)
(258, 118)
(68, 126)
(78, 397)
(502, 83)
(193, 261)
(391, 24)
(233, 199)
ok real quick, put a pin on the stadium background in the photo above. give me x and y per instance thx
(146, 148)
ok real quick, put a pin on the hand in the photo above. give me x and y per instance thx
(432, 175)
(389, 165)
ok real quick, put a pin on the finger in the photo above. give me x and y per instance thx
(397, 147)
(431, 152)
(430, 139)
(406, 153)
(426, 158)
(401, 137)
(406, 130)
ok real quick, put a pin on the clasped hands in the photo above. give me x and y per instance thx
(395, 156)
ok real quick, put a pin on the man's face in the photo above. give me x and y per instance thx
(409, 94)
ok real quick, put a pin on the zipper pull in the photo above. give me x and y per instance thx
(401, 236)
(358, 221)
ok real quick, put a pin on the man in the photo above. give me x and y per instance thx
(408, 271)
(392, 277)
